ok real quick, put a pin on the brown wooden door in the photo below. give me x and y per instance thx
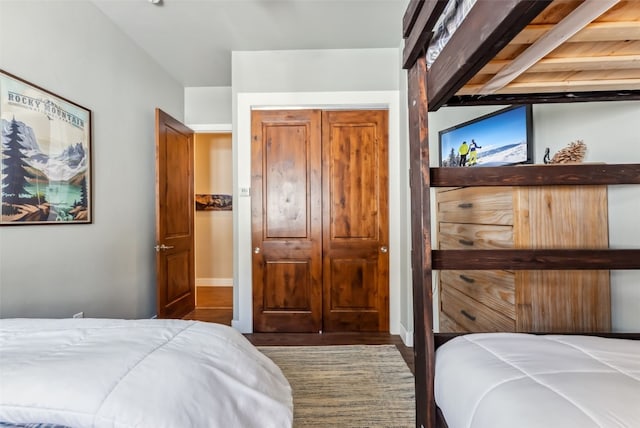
(174, 218)
(320, 221)
(286, 221)
(355, 215)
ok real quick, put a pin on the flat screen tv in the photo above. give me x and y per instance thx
(503, 137)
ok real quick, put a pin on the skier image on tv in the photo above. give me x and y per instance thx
(463, 150)
(473, 152)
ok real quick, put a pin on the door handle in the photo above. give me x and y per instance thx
(384, 249)
(256, 250)
(163, 247)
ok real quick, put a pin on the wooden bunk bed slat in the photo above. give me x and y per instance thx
(542, 98)
(484, 32)
(596, 63)
(575, 81)
(410, 16)
(567, 64)
(421, 29)
(562, 31)
(538, 259)
(594, 32)
(537, 175)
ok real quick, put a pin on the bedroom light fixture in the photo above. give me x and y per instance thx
(158, 2)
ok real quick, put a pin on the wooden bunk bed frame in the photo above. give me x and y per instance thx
(491, 39)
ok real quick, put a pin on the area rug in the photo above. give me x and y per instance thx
(347, 386)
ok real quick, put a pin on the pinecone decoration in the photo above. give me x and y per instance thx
(573, 153)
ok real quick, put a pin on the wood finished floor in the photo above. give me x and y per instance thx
(224, 316)
(220, 316)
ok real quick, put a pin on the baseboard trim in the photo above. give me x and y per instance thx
(214, 282)
(406, 336)
(241, 326)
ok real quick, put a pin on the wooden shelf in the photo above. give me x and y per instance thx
(537, 175)
(560, 259)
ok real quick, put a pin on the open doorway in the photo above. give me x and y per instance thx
(213, 185)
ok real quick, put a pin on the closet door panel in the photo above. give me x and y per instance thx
(355, 216)
(286, 221)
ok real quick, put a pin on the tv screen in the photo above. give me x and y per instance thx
(503, 137)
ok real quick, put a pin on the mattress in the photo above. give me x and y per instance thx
(506, 380)
(137, 373)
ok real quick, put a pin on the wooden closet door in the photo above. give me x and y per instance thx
(355, 217)
(286, 221)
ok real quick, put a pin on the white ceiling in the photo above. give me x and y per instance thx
(193, 39)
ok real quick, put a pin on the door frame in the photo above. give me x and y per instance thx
(389, 100)
(220, 128)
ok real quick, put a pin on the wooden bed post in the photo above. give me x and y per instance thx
(423, 344)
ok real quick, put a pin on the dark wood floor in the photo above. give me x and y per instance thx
(224, 316)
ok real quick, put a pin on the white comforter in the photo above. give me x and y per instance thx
(509, 380)
(137, 373)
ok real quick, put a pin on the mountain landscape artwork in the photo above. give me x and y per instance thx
(45, 156)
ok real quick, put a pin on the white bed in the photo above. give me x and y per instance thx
(559, 381)
(137, 373)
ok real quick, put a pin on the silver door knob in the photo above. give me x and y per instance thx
(383, 249)
(163, 247)
(256, 250)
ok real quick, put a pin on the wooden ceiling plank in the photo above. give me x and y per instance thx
(565, 29)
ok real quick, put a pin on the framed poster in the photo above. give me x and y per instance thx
(46, 156)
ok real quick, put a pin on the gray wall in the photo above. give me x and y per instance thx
(106, 269)
(319, 70)
(207, 105)
(610, 131)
